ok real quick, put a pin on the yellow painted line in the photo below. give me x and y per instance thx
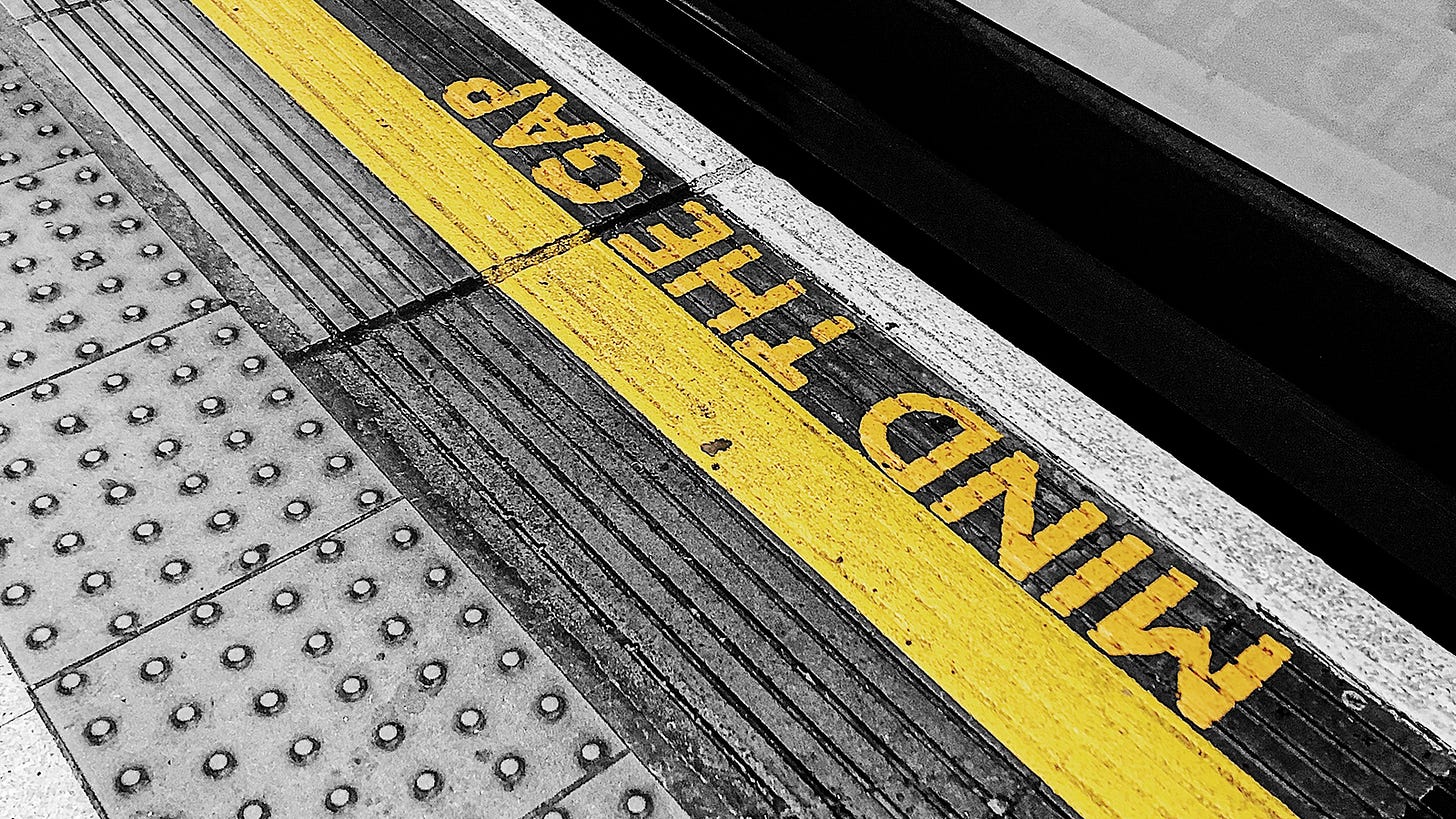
(472, 197)
(1097, 738)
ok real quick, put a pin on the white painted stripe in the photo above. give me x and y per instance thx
(1341, 101)
(1376, 648)
(669, 133)
(36, 782)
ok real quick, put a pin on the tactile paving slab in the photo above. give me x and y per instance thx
(83, 271)
(622, 791)
(136, 485)
(33, 135)
(371, 675)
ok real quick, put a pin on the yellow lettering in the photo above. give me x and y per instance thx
(778, 360)
(746, 303)
(541, 126)
(975, 436)
(552, 175)
(459, 95)
(1015, 477)
(1096, 575)
(1203, 698)
(673, 248)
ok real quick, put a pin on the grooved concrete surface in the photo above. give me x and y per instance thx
(250, 591)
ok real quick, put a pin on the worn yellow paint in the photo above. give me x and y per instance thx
(482, 206)
(1099, 740)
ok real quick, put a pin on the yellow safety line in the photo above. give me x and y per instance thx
(484, 208)
(1097, 738)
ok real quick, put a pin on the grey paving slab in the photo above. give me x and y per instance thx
(14, 701)
(372, 673)
(33, 135)
(626, 789)
(152, 477)
(88, 272)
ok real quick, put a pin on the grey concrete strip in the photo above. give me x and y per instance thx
(1336, 618)
(36, 781)
(14, 701)
(689, 148)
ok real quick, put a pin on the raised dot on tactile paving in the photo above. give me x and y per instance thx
(286, 601)
(551, 706)
(438, 577)
(236, 656)
(252, 365)
(45, 504)
(253, 557)
(141, 415)
(95, 582)
(156, 669)
(369, 498)
(270, 702)
(303, 749)
(637, 803)
(133, 312)
(88, 350)
(100, 730)
(427, 784)
(193, 484)
(41, 637)
(511, 659)
(131, 779)
(128, 224)
(225, 335)
(212, 406)
(205, 614)
(265, 474)
(555, 813)
(122, 623)
(16, 594)
(116, 382)
(167, 448)
(120, 493)
(308, 429)
(151, 250)
(222, 520)
(93, 457)
(67, 232)
(363, 589)
(185, 715)
(340, 798)
(388, 735)
(351, 688)
(22, 264)
(87, 259)
(172, 278)
(175, 571)
(469, 720)
(68, 542)
(238, 439)
(19, 358)
(472, 616)
(394, 629)
(338, 464)
(219, 764)
(159, 343)
(510, 767)
(110, 284)
(146, 532)
(404, 537)
(45, 292)
(329, 550)
(280, 395)
(318, 644)
(19, 468)
(255, 809)
(44, 391)
(590, 753)
(297, 509)
(70, 682)
(432, 674)
(184, 374)
(67, 321)
(69, 424)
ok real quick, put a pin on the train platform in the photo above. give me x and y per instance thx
(408, 411)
